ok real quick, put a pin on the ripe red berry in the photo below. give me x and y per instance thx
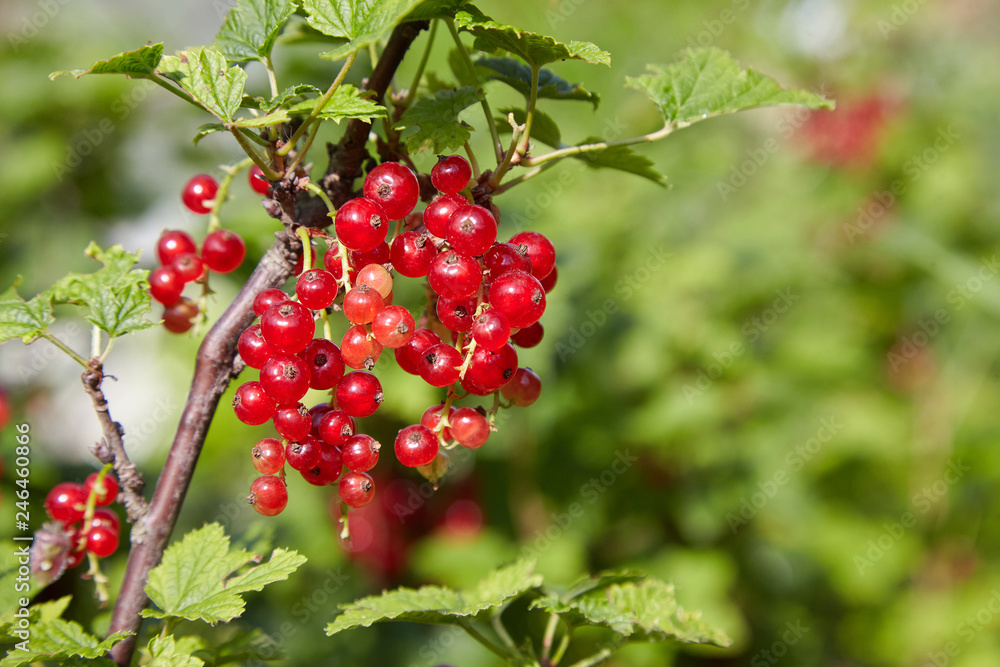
(267, 298)
(305, 455)
(361, 304)
(491, 330)
(358, 349)
(179, 317)
(519, 296)
(361, 225)
(490, 370)
(331, 261)
(252, 404)
(539, 249)
(336, 427)
(454, 276)
(172, 244)
(451, 174)
(258, 182)
(268, 495)
(393, 326)
(439, 211)
(549, 281)
(292, 421)
(360, 452)
(505, 257)
(328, 469)
(380, 255)
(376, 277)
(409, 356)
(529, 336)
(439, 365)
(326, 365)
(416, 446)
(432, 417)
(165, 285)
(469, 428)
(253, 349)
(393, 187)
(106, 518)
(411, 254)
(288, 327)
(471, 230)
(285, 378)
(102, 541)
(523, 389)
(268, 456)
(356, 489)
(456, 314)
(199, 192)
(189, 267)
(316, 289)
(105, 493)
(66, 502)
(359, 394)
(223, 251)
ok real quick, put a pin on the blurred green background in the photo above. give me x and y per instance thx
(791, 353)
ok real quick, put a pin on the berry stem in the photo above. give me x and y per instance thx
(269, 173)
(595, 659)
(412, 92)
(305, 149)
(464, 54)
(271, 79)
(501, 631)
(319, 105)
(100, 581)
(318, 191)
(567, 151)
(516, 131)
(223, 192)
(303, 234)
(547, 639)
(532, 101)
(479, 637)
(473, 162)
(345, 513)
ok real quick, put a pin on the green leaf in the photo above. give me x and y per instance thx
(61, 640)
(600, 581)
(286, 96)
(139, 63)
(347, 102)
(709, 82)
(517, 75)
(435, 9)
(535, 49)
(165, 653)
(646, 611)
(117, 295)
(195, 580)
(359, 22)
(44, 611)
(22, 319)
(543, 127)
(439, 605)
(622, 158)
(250, 28)
(433, 124)
(204, 74)
(207, 129)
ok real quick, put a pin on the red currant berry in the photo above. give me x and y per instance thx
(268, 495)
(454, 276)
(539, 249)
(258, 181)
(416, 446)
(189, 267)
(379, 255)
(223, 251)
(326, 365)
(361, 304)
(439, 211)
(165, 285)
(491, 330)
(252, 404)
(172, 244)
(393, 326)
(451, 174)
(304, 456)
(331, 260)
(356, 489)
(523, 389)
(411, 254)
(268, 456)
(179, 317)
(439, 367)
(409, 356)
(432, 417)
(102, 541)
(66, 502)
(360, 452)
(253, 349)
(267, 298)
(471, 230)
(317, 412)
(503, 258)
(106, 518)
(328, 469)
(285, 378)
(316, 289)
(292, 421)
(288, 327)
(529, 336)
(359, 394)
(376, 277)
(361, 225)
(456, 314)
(104, 494)
(199, 193)
(489, 371)
(336, 427)
(549, 281)
(469, 427)
(358, 349)
(519, 296)
(393, 187)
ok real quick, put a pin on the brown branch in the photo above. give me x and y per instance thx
(112, 448)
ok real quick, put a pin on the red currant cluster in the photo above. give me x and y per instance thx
(81, 510)
(484, 296)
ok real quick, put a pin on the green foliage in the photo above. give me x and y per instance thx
(164, 652)
(251, 28)
(56, 639)
(27, 320)
(206, 76)
(622, 158)
(197, 580)
(357, 22)
(432, 123)
(139, 63)
(550, 86)
(709, 82)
